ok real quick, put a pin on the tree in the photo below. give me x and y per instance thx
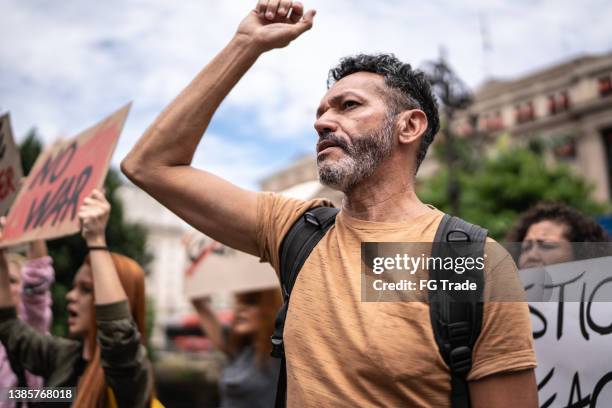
(29, 150)
(496, 189)
(453, 94)
(68, 253)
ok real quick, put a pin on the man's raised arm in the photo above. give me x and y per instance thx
(160, 163)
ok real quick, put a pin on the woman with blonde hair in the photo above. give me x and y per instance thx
(106, 358)
(30, 281)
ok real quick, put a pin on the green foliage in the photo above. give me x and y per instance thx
(494, 190)
(29, 150)
(68, 253)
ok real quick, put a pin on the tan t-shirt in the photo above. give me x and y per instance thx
(345, 352)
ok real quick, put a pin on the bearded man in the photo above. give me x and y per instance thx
(374, 125)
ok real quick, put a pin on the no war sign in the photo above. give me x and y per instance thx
(63, 175)
(10, 166)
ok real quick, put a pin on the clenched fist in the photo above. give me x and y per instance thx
(275, 23)
(93, 214)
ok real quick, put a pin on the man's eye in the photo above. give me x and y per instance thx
(349, 104)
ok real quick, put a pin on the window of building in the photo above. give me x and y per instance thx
(524, 112)
(493, 122)
(464, 127)
(558, 102)
(607, 139)
(605, 86)
(552, 105)
(564, 147)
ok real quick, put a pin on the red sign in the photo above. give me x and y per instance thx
(61, 178)
(10, 166)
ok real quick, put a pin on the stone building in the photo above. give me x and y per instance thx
(300, 180)
(567, 106)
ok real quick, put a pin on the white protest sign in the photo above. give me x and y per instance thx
(573, 332)
(216, 268)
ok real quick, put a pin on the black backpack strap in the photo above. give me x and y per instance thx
(457, 321)
(295, 248)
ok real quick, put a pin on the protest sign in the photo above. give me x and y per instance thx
(10, 165)
(218, 269)
(573, 333)
(63, 175)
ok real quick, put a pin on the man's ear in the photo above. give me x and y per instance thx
(411, 124)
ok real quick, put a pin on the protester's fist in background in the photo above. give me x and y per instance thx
(275, 23)
(201, 303)
(93, 214)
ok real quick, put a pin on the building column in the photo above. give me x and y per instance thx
(591, 157)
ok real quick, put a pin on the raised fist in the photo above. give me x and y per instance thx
(275, 23)
(93, 214)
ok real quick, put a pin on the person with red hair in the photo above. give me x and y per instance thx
(105, 359)
(250, 378)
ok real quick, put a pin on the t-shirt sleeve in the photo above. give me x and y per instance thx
(505, 343)
(275, 216)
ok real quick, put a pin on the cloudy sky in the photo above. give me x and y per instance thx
(65, 65)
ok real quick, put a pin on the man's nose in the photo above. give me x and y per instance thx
(325, 124)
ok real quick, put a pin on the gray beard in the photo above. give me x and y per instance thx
(360, 160)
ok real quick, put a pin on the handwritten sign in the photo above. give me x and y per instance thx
(10, 165)
(215, 268)
(573, 333)
(61, 178)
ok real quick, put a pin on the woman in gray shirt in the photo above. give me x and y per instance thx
(250, 379)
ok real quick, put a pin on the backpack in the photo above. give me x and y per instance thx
(455, 328)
